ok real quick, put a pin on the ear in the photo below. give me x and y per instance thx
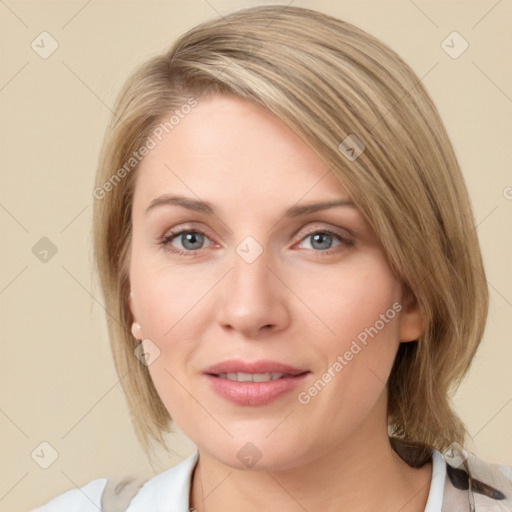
(411, 324)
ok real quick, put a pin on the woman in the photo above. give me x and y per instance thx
(288, 255)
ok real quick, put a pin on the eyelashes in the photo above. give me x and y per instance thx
(316, 236)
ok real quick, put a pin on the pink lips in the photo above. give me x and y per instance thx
(253, 393)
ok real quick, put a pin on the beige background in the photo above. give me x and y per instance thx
(57, 379)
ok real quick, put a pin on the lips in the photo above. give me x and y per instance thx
(253, 383)
(238, 366)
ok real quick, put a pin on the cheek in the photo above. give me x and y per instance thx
(171, 313)
(350, 301)
(166, 296)
(357, 337)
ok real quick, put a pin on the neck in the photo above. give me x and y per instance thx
(362, 473)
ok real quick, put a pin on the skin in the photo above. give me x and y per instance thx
(300, 302)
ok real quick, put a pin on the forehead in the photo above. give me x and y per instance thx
(227, 147)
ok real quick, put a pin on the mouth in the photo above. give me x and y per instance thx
(255, 377)
(253, 383)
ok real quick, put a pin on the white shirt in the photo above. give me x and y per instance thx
(169, 491)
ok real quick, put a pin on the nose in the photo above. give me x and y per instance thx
(253, 298)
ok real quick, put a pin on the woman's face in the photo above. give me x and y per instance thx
(303, 302)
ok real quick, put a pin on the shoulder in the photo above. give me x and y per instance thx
(105, 494)
(165, 491)
(83, 499)
(486, 486)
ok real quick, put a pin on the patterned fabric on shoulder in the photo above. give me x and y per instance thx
(475, 485)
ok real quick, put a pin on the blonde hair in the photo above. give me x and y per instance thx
(327, 80)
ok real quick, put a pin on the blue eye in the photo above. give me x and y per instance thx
(191, 241)
(321, 241)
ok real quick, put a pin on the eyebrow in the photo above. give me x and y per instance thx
(207, 208)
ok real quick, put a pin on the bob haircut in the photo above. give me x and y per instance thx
(326, 80)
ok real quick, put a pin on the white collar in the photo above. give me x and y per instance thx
(167, 491)
(437, 482)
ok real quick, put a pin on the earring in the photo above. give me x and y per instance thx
(136, 330)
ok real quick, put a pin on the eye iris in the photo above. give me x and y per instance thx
(319, 237)
(191, 238)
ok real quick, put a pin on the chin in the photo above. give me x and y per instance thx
(258, 453)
